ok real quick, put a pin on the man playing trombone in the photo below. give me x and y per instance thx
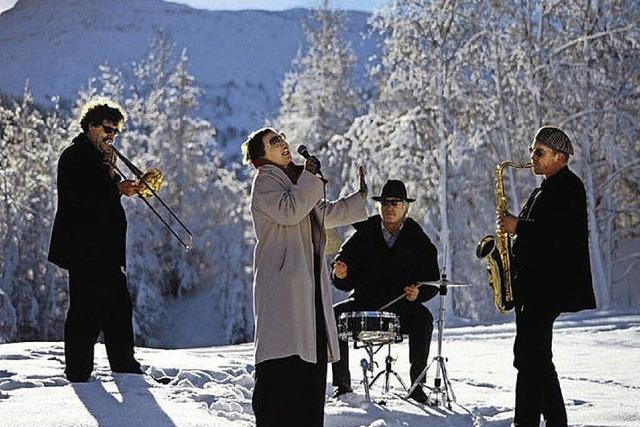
(89, 240)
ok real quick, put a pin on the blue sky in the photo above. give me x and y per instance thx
(365, 5)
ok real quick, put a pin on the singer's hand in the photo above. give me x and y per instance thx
(312, 164)
(363, 189)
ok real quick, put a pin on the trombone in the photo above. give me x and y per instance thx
(152, 179)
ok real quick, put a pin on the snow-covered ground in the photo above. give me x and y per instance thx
(597, 357)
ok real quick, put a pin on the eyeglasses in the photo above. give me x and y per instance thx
(391, 202)
(538, 152)
(110, 129)
(280, 138)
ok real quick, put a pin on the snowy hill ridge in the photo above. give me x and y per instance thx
(237, 57)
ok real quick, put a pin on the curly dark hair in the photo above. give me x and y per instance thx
(98, 110)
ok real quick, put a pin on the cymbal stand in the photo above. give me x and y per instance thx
(442, 391)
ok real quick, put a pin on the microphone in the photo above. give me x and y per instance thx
(304, 152)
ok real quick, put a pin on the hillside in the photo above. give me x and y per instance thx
(238, 58)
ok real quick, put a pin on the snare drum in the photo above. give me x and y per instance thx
(375, 327)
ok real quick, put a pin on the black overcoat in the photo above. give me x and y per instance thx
(551, 251)
(376, 273)
(90, 225)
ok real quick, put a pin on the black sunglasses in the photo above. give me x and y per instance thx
(391, 202)
(538, 152)
(278, 139)
(110, 129)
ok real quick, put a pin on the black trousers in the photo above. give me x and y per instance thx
(99, 301)
(537, 387)
(415, 320)
(289, 391)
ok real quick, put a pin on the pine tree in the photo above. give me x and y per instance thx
(30, 143)
(318, 99)
(161, 97)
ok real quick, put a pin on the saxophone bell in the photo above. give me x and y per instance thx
(485, 246)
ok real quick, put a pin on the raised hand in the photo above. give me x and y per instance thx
(312, 164)
(363, 189)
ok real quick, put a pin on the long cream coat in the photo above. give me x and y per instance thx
(283, 278)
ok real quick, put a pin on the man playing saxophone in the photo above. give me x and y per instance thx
(551, 274)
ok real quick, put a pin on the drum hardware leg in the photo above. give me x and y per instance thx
(388, 370)
(371, 331)
(451, 397)
(370, 353)
(442, 391)
(365, 367)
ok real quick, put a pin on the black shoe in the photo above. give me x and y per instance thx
(136, 371)
(75, 379)
(418, 395)
(132, 367)
(162, 380)
(342, 389)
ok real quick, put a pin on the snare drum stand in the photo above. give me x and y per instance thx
(442, 391)
(387, 371)
(367, 365)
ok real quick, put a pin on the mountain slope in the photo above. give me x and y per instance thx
(238, 58)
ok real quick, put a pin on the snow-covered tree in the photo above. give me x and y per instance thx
(29, 144)
(464, 85)
(161, 97)
(416, 130)
(318, 97)
(601, 111)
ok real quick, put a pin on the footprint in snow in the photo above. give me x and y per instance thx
(14, 357)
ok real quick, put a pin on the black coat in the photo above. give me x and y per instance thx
(551, 251)
(90, 225)
(376, 273)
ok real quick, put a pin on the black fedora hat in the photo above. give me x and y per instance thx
(393, 188)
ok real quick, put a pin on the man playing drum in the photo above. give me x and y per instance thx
(387, 255)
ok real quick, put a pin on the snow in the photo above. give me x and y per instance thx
(195, 321)
(596, 355)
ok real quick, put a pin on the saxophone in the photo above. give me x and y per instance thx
(497, 250)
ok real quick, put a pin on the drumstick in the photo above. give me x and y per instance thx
(435, 283)
(395, 300)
